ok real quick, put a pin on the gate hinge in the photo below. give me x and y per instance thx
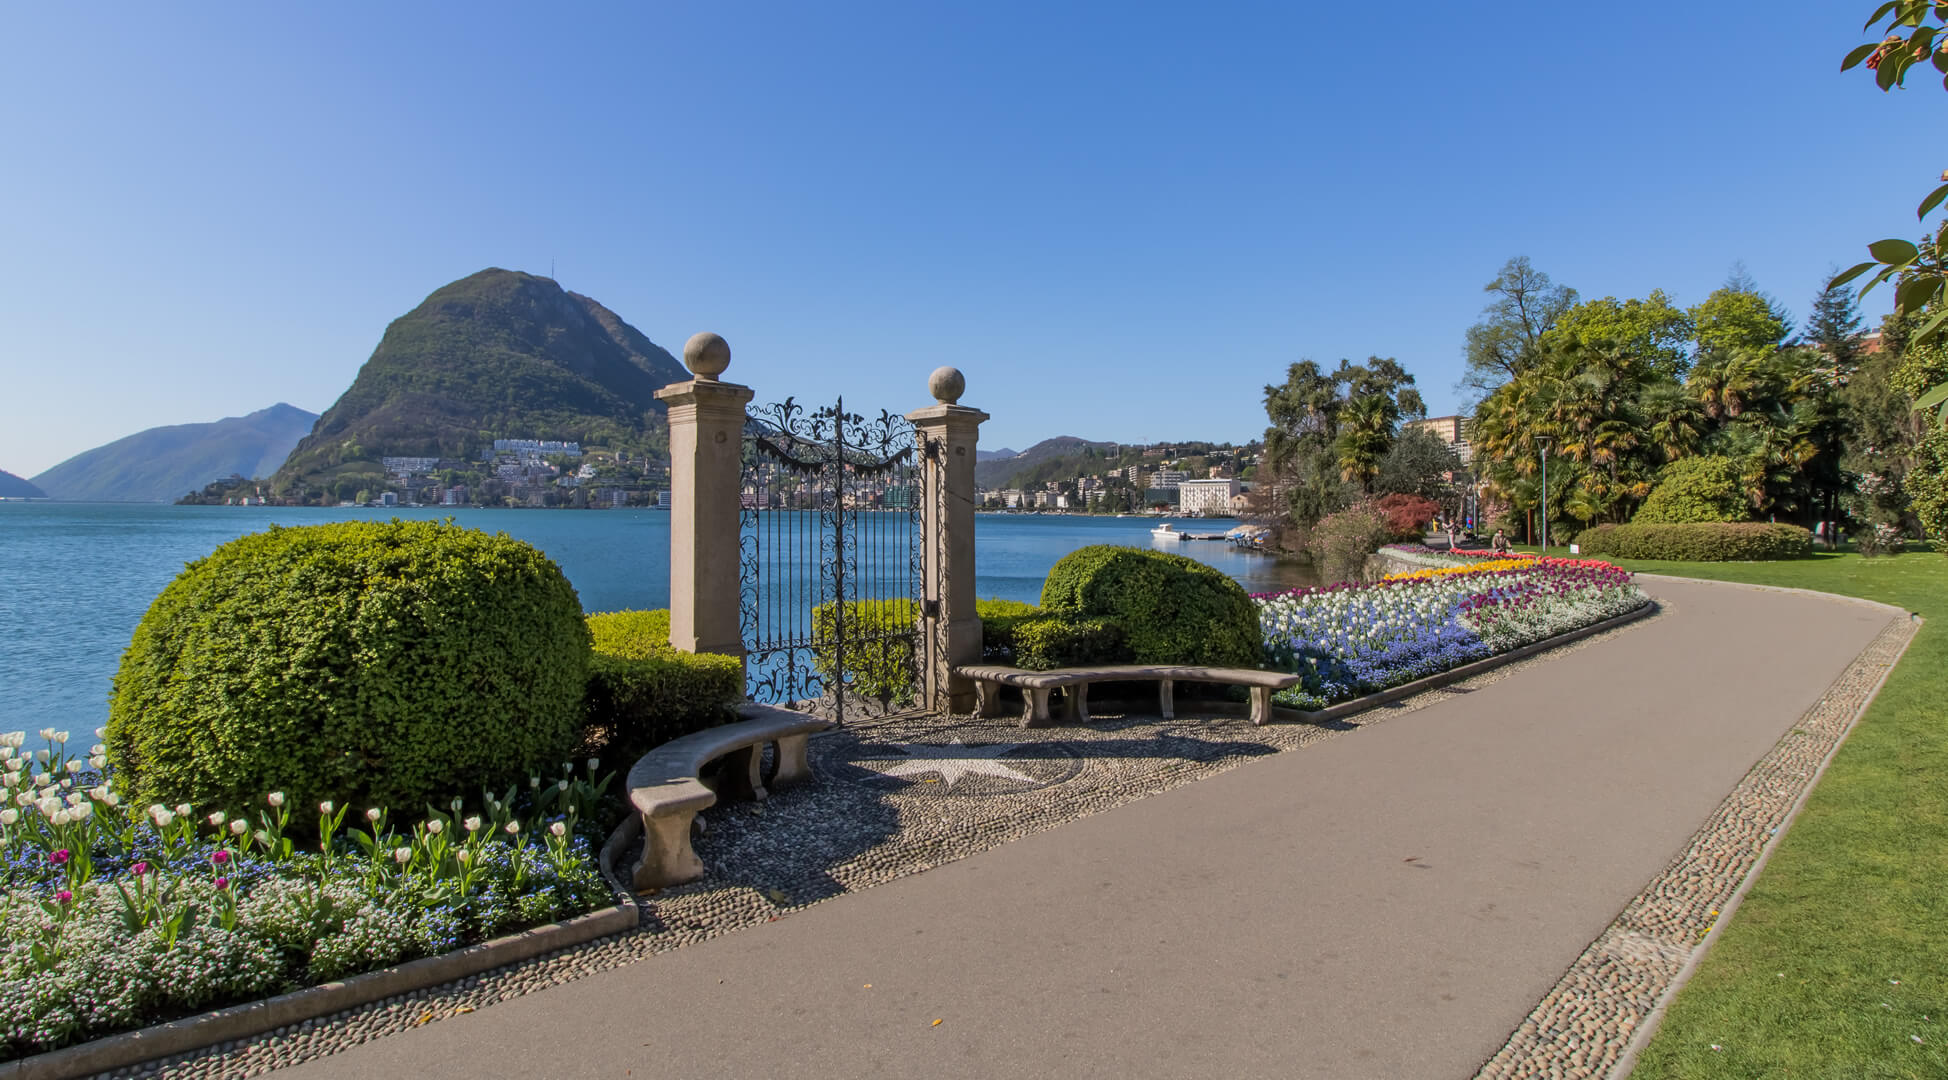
(930, 608)
(932, 451)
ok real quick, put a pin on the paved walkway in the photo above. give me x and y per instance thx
(1391, 903)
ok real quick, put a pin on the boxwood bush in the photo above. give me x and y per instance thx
(643, 693)
(1698, 541)
(1172, 609)
(998, 621)
(376, 663)
(1692, 489)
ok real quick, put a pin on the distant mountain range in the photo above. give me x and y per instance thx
(163, 463)
(995, 455)
(499, 354)
(13, 487)
(996, 472)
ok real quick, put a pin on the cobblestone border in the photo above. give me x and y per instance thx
(724, 902)
(1601, 1013)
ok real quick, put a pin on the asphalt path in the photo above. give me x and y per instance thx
(1387, 904)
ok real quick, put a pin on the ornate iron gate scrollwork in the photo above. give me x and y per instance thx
(831, 561)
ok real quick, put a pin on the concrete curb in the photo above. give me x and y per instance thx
(313, 1002)
(1647, 1030)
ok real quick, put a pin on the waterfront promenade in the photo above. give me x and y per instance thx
(1389, 903)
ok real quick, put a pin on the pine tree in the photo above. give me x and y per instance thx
(1834, 326)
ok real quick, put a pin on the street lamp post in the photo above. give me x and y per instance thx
(1543, 441)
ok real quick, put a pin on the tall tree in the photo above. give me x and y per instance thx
(1834, 326)
(1525, 306)
(1653, 331)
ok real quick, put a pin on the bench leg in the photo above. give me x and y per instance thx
(793, 767)
(1167, 699)
(1261, 705)
(1037, 714)
(668, 859)
(1079, 703)
(987, 698)
(739, 776)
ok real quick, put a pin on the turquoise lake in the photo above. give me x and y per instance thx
(75, 578)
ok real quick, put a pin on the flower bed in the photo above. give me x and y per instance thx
(113, 918)
(1353, 639)
(1422, 555)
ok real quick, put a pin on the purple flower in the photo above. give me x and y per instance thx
(60, 858)
(63, 896)
(139, 869)
(219, 856)
(222, 883)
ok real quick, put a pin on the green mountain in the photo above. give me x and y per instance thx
(498, 355)
(163, 463)
(13, 487)
(1000, 472)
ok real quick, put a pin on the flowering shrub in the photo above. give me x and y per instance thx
(113, 917)
(1352, 639)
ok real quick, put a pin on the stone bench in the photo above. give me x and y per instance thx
(1035, 686)
(667, 790)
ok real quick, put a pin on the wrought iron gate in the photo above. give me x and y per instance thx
(832, 601)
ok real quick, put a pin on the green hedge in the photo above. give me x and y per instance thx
(375, 663)
(1055, 641)
(998, 621)
(1172, 609)
(1698, 541)
(882, 666)
(643, 693)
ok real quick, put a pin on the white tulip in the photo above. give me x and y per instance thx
(163, 818)
(59, 817)
(402, 855)
(101, 733)
(82, 812)
(47, 733)
(61, 737)
(275, 798)
(456, 804)
(464, 856)
(14, 739)
(513, 828)
(594, 763)
(239, 827)
(433, 828)
(261, 837)
(217, 817)
(184, 810)
(98, 762)
(325, 807)
(9, 816)
(374, 814)
(558, 829)
(472, 824)
(98, 749)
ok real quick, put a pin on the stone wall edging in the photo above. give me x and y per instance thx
(234, 1022)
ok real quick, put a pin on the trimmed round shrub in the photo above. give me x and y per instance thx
(1739, 541)
(643, 692)
(373, 663)
(1694, 489)
(1172, 609)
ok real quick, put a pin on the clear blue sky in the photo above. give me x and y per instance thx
(1121, 221)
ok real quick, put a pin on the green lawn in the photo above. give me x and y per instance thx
(1838, 958)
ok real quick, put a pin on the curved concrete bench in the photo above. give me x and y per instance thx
(666, 789)
(1035, 686)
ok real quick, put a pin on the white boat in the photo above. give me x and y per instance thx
(1166, 531)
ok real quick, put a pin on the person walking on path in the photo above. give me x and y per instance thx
(1450, 535)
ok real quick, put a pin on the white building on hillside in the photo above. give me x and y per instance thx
(1206, 496)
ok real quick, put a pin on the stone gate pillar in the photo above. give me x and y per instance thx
(949, 432)
(706, 484)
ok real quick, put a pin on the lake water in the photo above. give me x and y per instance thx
(75, 578)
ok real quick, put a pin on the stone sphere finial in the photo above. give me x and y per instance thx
(946, 384)
(706, 355)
